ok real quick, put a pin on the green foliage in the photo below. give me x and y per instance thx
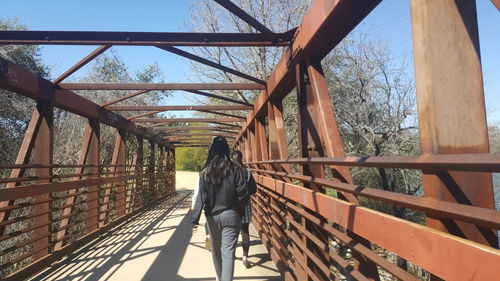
(190, 158)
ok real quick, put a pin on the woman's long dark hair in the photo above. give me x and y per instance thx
(218, 164)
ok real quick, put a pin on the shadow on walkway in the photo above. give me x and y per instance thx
(156, 245)
(105, 256)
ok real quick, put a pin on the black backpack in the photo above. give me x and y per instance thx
(244, 191)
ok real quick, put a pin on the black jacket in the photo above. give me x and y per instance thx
(216, 198)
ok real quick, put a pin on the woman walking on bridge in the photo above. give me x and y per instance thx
(236, 157)
(221, 184)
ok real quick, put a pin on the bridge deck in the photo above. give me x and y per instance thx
(157, 245)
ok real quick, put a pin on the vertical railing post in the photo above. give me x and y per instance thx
(172, 168)
(277, 138)
(260, 130)
(44, 144)
(161, 170)
(120, 159)
(151, 170)
(247, 152)
(451, 109)
(93, 158)
(139, 169)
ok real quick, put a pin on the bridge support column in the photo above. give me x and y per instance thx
(152, 191)
(319, 137)
(139, 168)
(44, 148)
(451, 108)
(119, 159)
(278, 148)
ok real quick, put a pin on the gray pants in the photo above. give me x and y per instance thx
(224, 230)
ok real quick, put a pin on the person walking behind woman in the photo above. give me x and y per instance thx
(236, 158)
(218, 197)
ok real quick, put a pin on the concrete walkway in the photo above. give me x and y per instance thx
(157, 245)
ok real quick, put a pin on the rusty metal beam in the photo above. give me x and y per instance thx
(24, 82)
(177, 107)
(89, 154)
(191, 139)
(224, 114)
(325, 24)
(314, 124)
(161, 86)
(218, 97)
(226, 124)
(496, 3)
(211, 63)
(144, 114)
(40, 189)
(192, 145)
(43, 155)
(81, 63)
(201, 135)
(437, 246)
(209, 128)
(124, 98)
(475, 215)
(230, 6)
(177, 120)
(22, 158)
(451, 109)
(473, 162)
(142, 38)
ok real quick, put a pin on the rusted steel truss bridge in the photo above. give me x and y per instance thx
(296, 220)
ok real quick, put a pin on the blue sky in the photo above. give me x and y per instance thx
(390, 21)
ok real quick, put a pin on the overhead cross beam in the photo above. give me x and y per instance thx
(179, 139)
(194, 145)
(226, 124)
(230, 6)
(143, 38)
(227, 135)
(124, 98)
(178, 120)
(190, 91)
(81, 63)
(144, 114)
(223, 114)
(211, 63)
(197, 92)
(177, 107)
(161, 86)
(208, 128)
